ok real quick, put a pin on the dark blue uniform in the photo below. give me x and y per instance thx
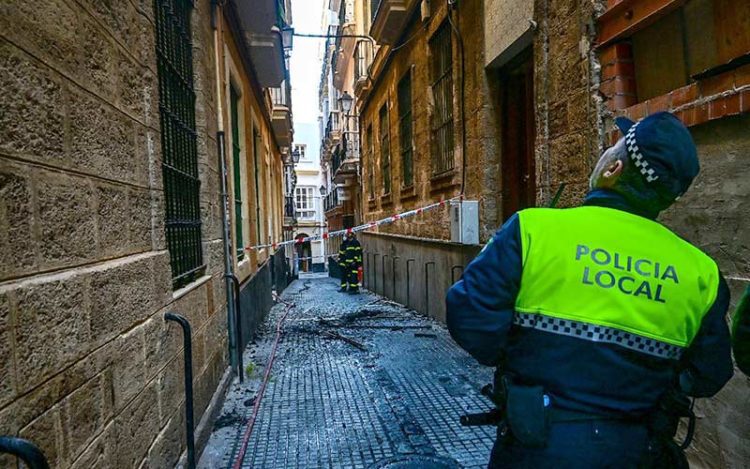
(599, 379)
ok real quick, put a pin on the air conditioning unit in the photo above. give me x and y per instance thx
(465, 221)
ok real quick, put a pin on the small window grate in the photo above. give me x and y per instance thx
(441, 73)
(370, 163)
(234, 100)
(405, 124)
(385, 149)
(178, 139)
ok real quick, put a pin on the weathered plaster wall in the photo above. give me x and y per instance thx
(90, 370)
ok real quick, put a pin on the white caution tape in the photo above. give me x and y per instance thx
(357, 229)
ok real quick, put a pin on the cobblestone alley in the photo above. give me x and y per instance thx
(330, 403)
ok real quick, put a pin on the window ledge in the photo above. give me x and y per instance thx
(408, 192)
(444, 181)
(386, 199)
(177, 294)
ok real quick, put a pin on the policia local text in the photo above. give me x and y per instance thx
(649, 273)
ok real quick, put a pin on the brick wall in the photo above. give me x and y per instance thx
(91, 371)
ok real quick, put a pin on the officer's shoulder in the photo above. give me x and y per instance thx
(537, 213)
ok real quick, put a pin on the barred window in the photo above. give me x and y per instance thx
(234, 103)
(405, 128)
(257, 145)
(370, 155)
(385, 149)
(178, 140)
(441, 74)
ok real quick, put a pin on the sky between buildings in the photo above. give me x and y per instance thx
(306, 60)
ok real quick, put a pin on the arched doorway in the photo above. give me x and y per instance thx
(303, 252)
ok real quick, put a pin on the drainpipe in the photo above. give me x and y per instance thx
(228, 258)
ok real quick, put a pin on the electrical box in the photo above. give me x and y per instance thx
(465, 221)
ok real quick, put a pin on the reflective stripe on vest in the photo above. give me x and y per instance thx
(605, 275)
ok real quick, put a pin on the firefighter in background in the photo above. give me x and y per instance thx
(350, 259)
(343, 265)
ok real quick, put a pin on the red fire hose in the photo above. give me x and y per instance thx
(256, 406)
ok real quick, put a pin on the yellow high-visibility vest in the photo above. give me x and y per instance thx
(606, 275)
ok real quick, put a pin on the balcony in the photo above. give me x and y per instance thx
(345, 160)
(344, 45)
(281, 114)
(363, 55)
(333, 128)
(289, 210)
(331, 201)
(259, 22)
(389, 19)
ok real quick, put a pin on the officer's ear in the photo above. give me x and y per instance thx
(613, 170)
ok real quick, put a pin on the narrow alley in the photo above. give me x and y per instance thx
(557, 188)
(357, 381)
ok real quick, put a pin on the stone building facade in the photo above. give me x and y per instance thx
(535, 88)
(91, 371)
(346, 55)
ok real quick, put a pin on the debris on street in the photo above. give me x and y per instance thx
(397, 398)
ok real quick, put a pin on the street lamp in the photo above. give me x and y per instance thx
(322, 190)
(287, 37)
(295, 155)
(345, 101)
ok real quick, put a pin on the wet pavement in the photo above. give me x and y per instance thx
(357, 382)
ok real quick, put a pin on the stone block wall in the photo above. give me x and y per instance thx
(481, 157)
(90, 370)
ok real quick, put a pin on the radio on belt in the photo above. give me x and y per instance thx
(464, 221)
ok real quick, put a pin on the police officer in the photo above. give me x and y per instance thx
(741, 333)
(343, 264)
(594, 313)
(354, 262)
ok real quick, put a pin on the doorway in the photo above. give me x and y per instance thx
(304, 253)
(518, 133)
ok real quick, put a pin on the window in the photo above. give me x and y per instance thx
(405, 127)
(303, 198)
(441, 74)
(370, 155)
(179, 145)
(385, 149)
(234, 104)
(301, 148)
(257, 145)
(694, 39)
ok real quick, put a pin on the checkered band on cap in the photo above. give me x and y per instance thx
(635, 155)
(597, 333)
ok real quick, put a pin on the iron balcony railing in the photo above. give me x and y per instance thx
(289, 208)
(333, 126)
(331, 201)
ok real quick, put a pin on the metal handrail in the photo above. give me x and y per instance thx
(31, 455)
(237, 323)
(187, 339)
